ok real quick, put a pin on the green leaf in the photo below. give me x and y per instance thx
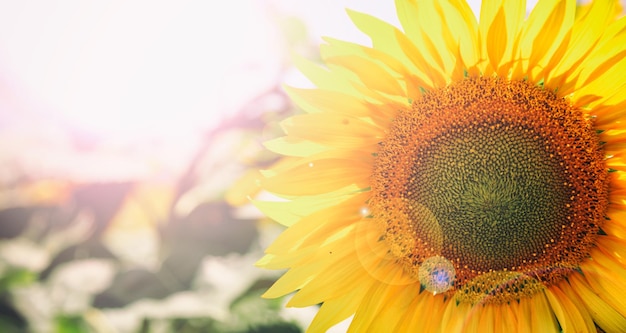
(16, 277)
(70, 324)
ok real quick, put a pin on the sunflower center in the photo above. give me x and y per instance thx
(497, 195)
(493, 176)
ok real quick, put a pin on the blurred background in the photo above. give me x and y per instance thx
(130, 141)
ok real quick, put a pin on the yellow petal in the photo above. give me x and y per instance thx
(523, 312)
(322, 77)
(472, 321)
(496, 40)
(542, 317)
(383, 37)
(434, 76)
(570, 313)
(455, 316)
(421, 21)
(343, 271)
(337, 103)
(618, 97)
(412, 21)
(606, 316)
(608, 284)
(291, 146)
(609, 47)
(321, 100)
(369, 73)
(489, 322)
(610, 116)
(333, 130)
(611, 70)
(390, 314)
(289, 212)
(294, 279)
(585, 34)
(339, 308)
(499, 26)
(552, 18)
(310, 228)
(374, 301)
(432, 309)
(614, 247)
(286, 260)
(244, 188)
(460, 22)
(595, 63)
(337, 47)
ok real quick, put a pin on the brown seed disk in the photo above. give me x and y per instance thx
(492, 175)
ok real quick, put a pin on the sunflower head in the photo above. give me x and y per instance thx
(459, 174)
(496, 176)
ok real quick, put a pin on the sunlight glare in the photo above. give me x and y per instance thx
(137, 68)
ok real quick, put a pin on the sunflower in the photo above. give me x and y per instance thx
(459, 174)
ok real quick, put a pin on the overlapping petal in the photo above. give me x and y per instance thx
(336, 258)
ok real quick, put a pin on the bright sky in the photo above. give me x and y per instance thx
(135, 66)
